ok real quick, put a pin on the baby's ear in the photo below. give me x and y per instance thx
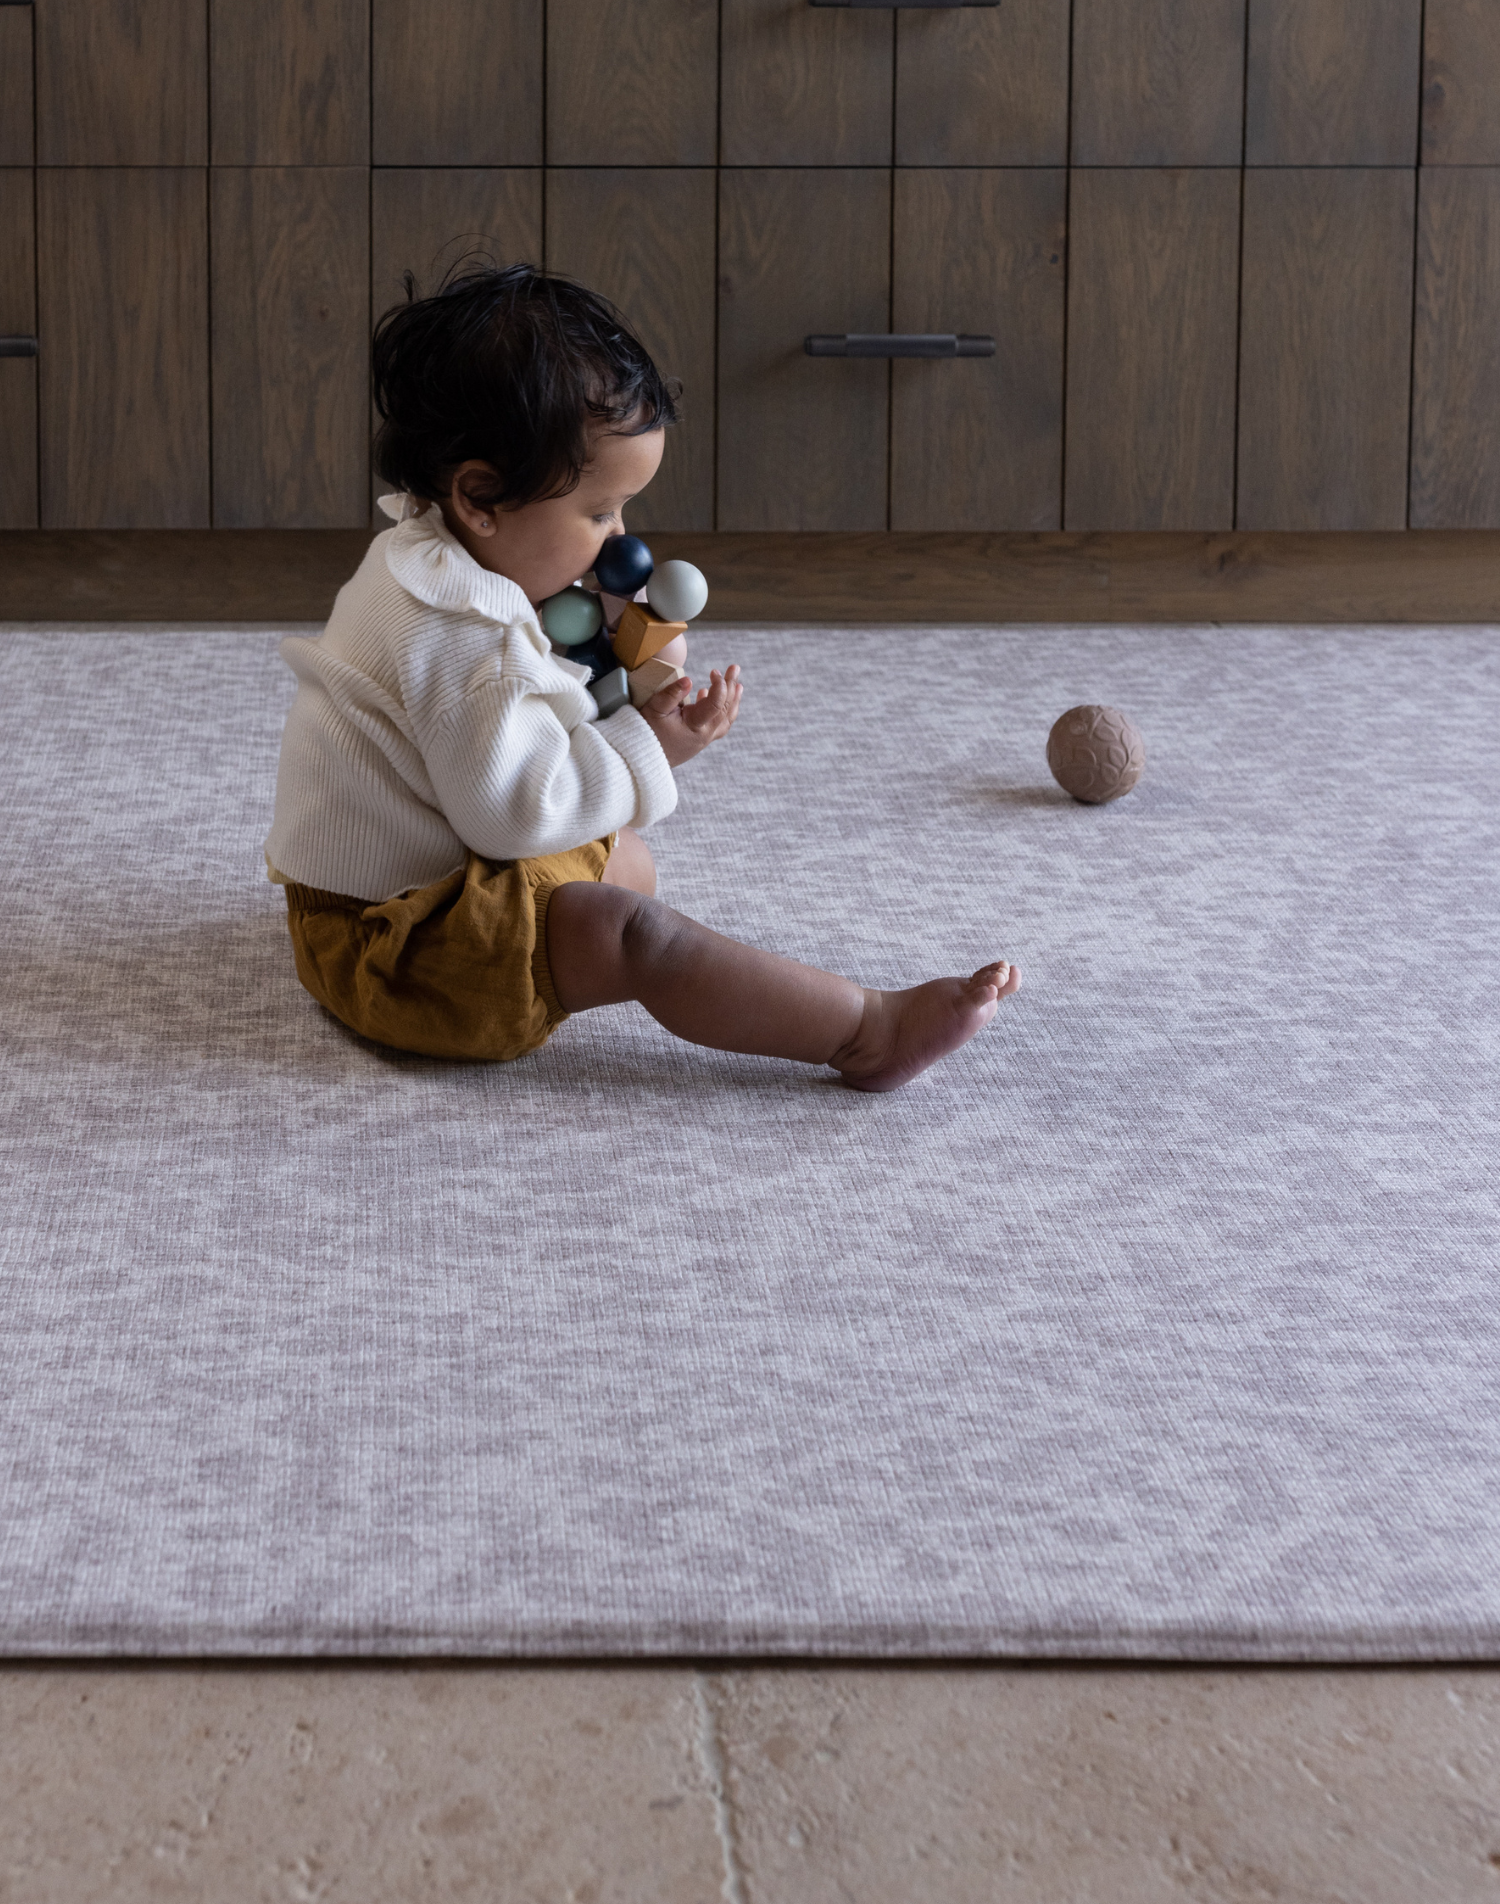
(472, 481)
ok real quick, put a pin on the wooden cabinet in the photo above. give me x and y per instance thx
(289, 81)
(122, 314)
(456, 83)
(1461, 83)
(802, 441)
(806, 85)
(1151, 349)
(1333, 82)
(1240, 258)
(121, 82)
(1455, 473)
(427, 219)
(1325, 352)
(976, 442)
(631, 82)
(17, 109)
(1156, 82)
(982, 85)
(291, 356)
(18, 433)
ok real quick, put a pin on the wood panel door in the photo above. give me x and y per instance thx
(645, 240)
(976, 443)
(1333, 82)
(1153, 281)
(1455, 473)
(1461, 83)
(632, 82)
(1325, 350)
(1156, 82)
(122, 82)
(291, 357)
(290, 82)
(982, 85)
(802, 440)
(456, 82)
(123, 404)
(806, 85)
(17, 115)
(18, 473)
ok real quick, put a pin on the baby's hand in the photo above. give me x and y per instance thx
(685, 726)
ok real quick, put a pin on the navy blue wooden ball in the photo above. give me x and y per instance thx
(596, 655)
(623, 565)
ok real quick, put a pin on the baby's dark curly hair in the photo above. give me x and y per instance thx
(511, 367)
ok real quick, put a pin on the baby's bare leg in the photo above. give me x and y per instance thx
(631, 864)
(607, 944)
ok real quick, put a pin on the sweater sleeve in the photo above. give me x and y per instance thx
(515, 782)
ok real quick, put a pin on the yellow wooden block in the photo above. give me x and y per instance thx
(650, 678)
(640, 634)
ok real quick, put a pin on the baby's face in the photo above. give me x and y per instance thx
(544, 546)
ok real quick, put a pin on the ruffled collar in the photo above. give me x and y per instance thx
(429, 561)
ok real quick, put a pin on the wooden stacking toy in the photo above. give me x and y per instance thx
(599, 623)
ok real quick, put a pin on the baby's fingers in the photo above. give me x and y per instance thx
(665, 699)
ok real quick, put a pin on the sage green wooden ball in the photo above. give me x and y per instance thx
(571, 617)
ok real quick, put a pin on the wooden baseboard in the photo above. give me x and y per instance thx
(293, 574)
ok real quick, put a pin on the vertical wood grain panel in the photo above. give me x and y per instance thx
(1461, 89)
(423, 221)
(17, 254)
(291, 306)
(456, 82)
(122, 82)
(806, 85)
(1325, 352)
(1455, 471)
(17, 146)
(802, 440)
(632, 82)
(122, 259)
(645, 239)
(1333, 82)
(977, 443)
(982, 85)
(1158, 83)
(18, 499)
(291, 82)
(1152, 290)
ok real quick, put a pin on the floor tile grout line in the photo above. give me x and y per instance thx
(711, 1757)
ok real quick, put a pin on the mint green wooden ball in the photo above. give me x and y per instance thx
(571, 617)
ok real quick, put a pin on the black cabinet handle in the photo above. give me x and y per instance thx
(900, 344)
(17, 346)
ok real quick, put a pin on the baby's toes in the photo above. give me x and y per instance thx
(1000, 978)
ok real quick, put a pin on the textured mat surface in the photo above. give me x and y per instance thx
(1159, 1322)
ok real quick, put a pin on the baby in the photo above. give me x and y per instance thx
(457, 831)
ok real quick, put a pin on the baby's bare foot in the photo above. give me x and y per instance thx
(901, 1033)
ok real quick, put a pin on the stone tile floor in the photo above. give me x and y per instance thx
(756, 1785)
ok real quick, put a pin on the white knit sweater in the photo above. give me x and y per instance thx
(432, 715)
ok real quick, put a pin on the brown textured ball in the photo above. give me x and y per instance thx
(1095, 754)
